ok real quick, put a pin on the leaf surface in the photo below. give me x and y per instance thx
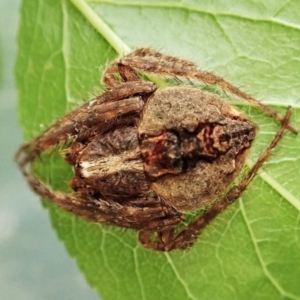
(252, 250)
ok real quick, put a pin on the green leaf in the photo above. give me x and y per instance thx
(252, 250)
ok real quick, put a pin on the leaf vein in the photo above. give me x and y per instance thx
(260, 257)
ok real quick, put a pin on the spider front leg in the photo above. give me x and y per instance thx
(121, 70)
(117, 73)
(169, 240)
(148, 60)
(113, 108)
(150, 213)
(101, 112)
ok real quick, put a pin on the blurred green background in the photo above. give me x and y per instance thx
(33, 263)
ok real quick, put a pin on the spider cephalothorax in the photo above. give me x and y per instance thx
(143, 156)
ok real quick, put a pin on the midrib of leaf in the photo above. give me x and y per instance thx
(65, 50)
(113, 39)
(122, 48)
(152, 4)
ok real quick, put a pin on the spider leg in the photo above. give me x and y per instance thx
(126, 73)
(148, 60)
(102, 111)
(168, 240)
(110, 109)
(152, 214)
(167, 60)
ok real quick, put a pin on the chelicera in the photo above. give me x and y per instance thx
(143, 157)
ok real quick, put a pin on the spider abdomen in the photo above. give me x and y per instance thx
(194, 145)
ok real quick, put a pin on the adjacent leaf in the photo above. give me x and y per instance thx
(252, 250)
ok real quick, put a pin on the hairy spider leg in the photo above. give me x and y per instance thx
(152, 214)
(126, 74)
(117, 103)
(148, 60)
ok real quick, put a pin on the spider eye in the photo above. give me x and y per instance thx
(143, 136)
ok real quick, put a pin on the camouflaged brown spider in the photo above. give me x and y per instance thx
(143, 156)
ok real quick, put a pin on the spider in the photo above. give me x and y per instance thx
(144, 157)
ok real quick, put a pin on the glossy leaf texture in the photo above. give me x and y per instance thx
(252, 250)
